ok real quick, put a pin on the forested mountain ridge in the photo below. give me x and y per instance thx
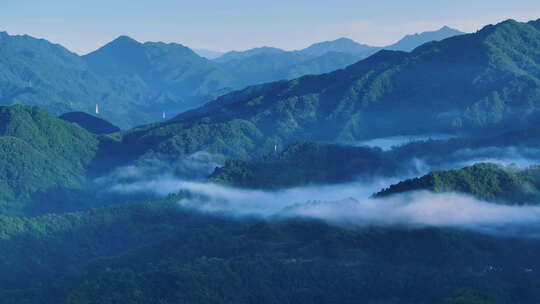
(483, 82)
(136, 83)
(37, 72)
(486, 181)
(306, 163)
(49, 160)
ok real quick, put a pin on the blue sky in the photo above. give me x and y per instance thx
(223, 25)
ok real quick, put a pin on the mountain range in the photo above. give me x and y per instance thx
(136, 83)
(481, 83)
(90, 214)
(349, 46)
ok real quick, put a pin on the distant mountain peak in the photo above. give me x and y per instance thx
(122, 41)
(447, 28)
(124, 37)
(233, 55)
(344, 39)
(410, 42)
(341, 45)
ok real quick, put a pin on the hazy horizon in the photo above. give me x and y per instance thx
(241, 25)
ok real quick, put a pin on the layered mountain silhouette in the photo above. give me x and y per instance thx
(268, 64)
(40, 73)
(265, 64)
(73, 228)
(158, 76)
(136, 83)
(483, 82)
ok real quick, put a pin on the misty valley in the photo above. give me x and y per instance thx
(339, 173)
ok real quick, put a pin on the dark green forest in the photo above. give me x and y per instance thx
(160, 253)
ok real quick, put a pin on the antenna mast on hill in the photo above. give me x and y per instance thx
(163, 115)
(97, 108)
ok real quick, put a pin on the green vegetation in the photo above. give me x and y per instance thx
(306, 163)
(160, 253)
(159, 77)
(37, 249)
(39, 153)
(134, 83)
(485, 181)
(37, 72)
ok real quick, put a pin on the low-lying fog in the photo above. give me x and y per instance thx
(387, 143)
(342, 204)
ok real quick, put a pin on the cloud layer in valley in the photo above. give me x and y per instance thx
(341, 204)
(347, 205)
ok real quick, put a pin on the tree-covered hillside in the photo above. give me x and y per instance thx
(40, 153)
(306, 163)
(486, 181)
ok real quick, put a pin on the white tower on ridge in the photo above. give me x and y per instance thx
(97, 108)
